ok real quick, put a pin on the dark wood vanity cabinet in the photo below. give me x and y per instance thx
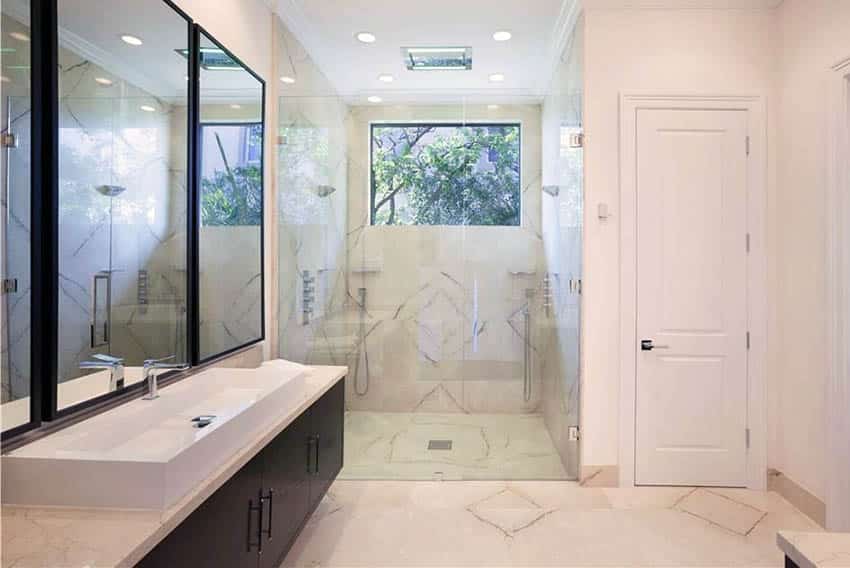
(253, 519)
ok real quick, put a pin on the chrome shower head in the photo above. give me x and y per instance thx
(111, 190)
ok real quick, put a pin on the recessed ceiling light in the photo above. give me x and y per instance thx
(502, 35)
(287, 79)
(492, 107)
(147, 108)
(366, 37)
(235, 107)
(386, 78)
(375, 100)
(497, 77)
(131, 40)
(19, 36)
(103, 81)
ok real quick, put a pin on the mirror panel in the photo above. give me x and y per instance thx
(123, 130)
(230, 164)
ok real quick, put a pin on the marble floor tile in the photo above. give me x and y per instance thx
(384, 445)
(538, 524)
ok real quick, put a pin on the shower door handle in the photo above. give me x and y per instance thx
(101, 302)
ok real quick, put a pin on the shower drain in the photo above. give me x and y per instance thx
(439, 444)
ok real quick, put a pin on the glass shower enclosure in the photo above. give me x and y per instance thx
(434, 247)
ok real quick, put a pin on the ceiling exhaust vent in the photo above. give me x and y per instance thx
(437, 58)
(214, 59)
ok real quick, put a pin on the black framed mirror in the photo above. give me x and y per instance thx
(140, 236)
(229, 185)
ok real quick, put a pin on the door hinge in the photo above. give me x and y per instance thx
(748, 145)
(9, 140)
(748, 340)
(748, 242)
(10, 285)
(577, 140)
(575, 285)
(747, 437)
(573, 434)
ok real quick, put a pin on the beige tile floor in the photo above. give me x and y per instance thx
(541, 523)
(394, 446)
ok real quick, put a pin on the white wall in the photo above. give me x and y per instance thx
(667, 52)
(814, 36)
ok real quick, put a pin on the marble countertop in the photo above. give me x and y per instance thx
(37, 536)
(815, 550)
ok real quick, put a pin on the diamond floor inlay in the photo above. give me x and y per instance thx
(508, 510)
(722, 511)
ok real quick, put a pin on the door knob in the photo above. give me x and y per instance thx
(648, 345)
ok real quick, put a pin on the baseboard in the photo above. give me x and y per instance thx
(801, 498)
(600, 476)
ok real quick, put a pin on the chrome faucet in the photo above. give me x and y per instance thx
(151, 365)
(115, 366)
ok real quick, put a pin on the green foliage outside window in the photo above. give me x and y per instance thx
(234, 196)
(446, 174)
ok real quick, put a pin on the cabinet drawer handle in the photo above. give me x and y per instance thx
(259, 509)
(309, 454)
(270, 497)
(317, 455)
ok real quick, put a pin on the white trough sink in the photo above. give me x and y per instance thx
(148, 454)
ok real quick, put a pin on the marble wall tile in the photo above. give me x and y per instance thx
(559, 311)
(312, 201)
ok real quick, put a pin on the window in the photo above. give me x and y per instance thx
(445, 174)
(231, 186)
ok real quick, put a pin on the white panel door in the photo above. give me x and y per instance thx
(691, 390)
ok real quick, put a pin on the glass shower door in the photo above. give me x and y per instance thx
(16, 280)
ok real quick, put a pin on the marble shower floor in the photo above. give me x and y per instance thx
(541, 523)
(394, 446)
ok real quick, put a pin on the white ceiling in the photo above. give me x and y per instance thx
(327, 30)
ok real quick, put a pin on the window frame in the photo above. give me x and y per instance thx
(445, 124)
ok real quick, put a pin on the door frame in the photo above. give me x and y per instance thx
(754, 106)
(838, 300)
